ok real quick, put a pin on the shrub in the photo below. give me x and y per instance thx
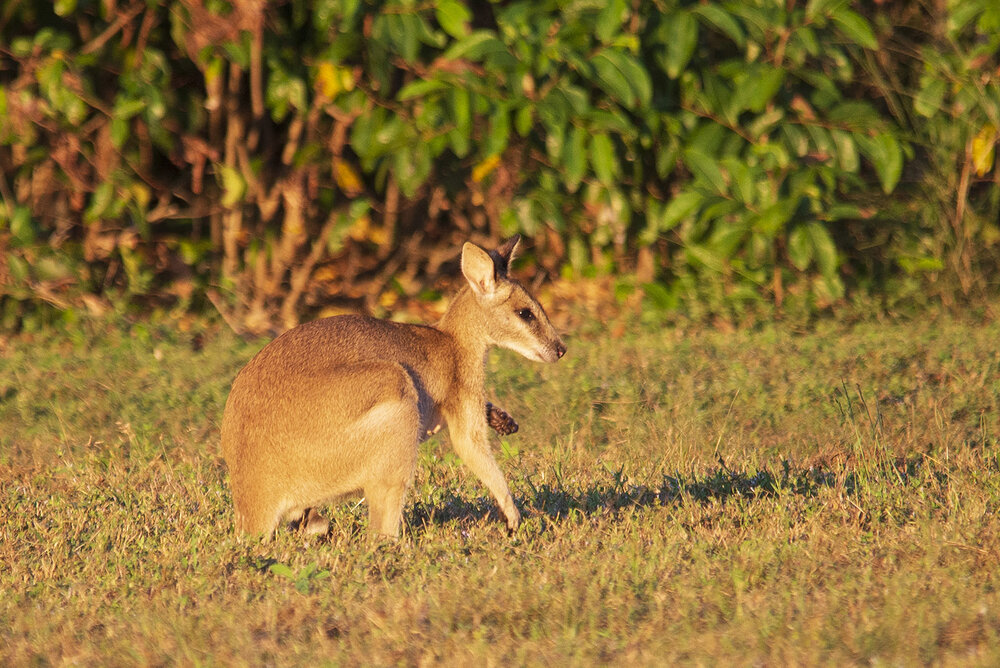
(273, 156)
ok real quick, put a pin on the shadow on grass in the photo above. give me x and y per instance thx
(619, 490)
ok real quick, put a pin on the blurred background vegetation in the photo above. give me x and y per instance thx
(273, 158)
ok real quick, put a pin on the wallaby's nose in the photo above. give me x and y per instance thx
(560, 349)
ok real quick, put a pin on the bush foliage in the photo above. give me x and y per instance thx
(274, 156)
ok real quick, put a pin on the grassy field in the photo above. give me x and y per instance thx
(779, 494)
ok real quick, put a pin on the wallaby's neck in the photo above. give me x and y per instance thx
(464, 322)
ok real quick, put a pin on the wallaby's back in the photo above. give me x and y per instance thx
(317, 347)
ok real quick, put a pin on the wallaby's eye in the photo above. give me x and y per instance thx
(525, 314)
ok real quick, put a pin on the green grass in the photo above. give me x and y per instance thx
(776, 495)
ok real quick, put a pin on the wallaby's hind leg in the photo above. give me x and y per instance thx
(257, 517)
(385, 441)
(314, 524)
(386, 489)
(309, 522)
(385, 508)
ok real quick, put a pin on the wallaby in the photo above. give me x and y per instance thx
(337, 406)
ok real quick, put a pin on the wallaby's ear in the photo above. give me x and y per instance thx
(508, 249)
(478, 268)
(504, 254)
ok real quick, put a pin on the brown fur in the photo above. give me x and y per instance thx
(338, 406)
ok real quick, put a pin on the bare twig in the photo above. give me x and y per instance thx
(300, 276)
(98, 42)
(216, 301)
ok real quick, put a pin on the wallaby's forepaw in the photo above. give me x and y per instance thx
(499, 420)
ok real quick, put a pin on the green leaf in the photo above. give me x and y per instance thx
(816, 8)
(426, 33)
(741, 177)
(239, 51)
(52, 268)
(847, 152)
(454, 17)
(19, 270)
(855, 115)
(722, 21)
(284, 92)
(496, 140)
(524, 119)
(702, 257)
(771, 221)
(612, 79)
(681, 37)
(282, 570)
(553, 114)
(64, 7)
(21, 226)
(461, 113)
(475, 46)
(602, 157)
(855, 27)
(705, 167)
(764, 86)
(635, 74)
(233, 185)
(125, 108)
(610, 19)
(824, 249)
(660, 297)
(829, 288)
(679, 208)
(919, 264)
(119, 132)
(412, 165)
(841, 211)
(100, 201)
(578, 253)
(800, 247)
(399, 33)
(928, 101)
(575, 158)
(886, 156)
(960, 14)
(420, 88)
(726, 238)
(363, 132)
(577, 98)
(820, 139)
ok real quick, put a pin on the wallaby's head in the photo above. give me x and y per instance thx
(510, 316)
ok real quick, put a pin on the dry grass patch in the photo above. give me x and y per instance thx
(779, 495)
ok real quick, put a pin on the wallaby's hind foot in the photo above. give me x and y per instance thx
(312, 523)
